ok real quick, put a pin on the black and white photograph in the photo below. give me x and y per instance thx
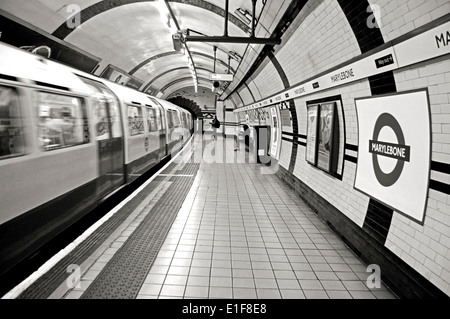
(224, 158)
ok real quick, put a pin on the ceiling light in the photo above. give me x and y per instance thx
(235, 56)
(243, 15)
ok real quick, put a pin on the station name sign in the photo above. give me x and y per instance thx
(342, 76)
(400, 152)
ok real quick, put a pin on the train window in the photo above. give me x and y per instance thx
(162, 119)
(11, 131)
(170, 118)
(114, 116)
(176, 118)
(135, 120)
(104, 99)
(185, 122)
(151, 120)
(62, 121)
(100, 119)
(158, 119)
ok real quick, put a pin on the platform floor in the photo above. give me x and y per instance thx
(237, 234)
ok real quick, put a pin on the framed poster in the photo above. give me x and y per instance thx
(325, 135)
(311, 141)
(394, 138)
(274, 133)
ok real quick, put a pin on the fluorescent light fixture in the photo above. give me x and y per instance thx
(165, 15)
(243, 15)
(235, 56)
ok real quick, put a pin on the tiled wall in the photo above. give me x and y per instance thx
(266, 79)
(321, 38)
(339, 193)
(426, 248)
(399, 17)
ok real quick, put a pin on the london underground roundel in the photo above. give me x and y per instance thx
(394, 151)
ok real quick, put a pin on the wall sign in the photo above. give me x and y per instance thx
(325, 136)
(394, 151)
(311, 145)
(274, 139)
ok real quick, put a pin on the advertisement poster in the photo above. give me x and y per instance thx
(311, 146)
(394, 151)
(274, 139)
(325, 136)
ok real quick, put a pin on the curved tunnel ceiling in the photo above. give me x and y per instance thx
(135, 36)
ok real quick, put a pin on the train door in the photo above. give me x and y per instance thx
(109, 136)
(161, 124)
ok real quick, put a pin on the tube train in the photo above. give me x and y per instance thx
(68, 139)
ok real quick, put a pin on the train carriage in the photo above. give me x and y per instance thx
(145, 130)
(44, 131)
(67, 140)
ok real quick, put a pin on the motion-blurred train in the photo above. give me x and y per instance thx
(68, 139)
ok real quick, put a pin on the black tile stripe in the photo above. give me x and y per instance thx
(294, 142)
(294, 135)
(351, 147)
(440, 187)
(382, 83)
(287, 140)
(440, 167)
(350, 158)
(279, 69)
(378, 220)
(357, 16)
(292, 109)
(369, 39)
(436, 185)
(250, 91)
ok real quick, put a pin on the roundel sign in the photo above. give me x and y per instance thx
(394, 151)
(398, 151)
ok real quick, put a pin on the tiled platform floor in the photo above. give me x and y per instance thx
(241, 234)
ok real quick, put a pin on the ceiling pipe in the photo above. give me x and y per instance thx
(225, 32)
(253, 18)
(227, 39)
(245, 40)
